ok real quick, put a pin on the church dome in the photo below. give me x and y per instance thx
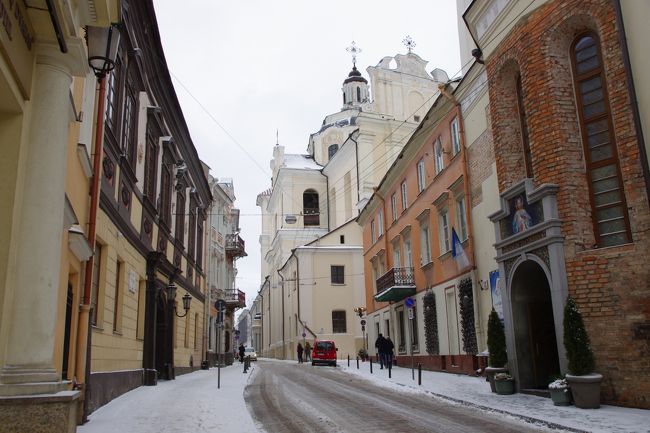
(355, 75)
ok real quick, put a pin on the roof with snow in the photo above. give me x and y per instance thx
(301, 162)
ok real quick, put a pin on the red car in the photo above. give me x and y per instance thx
(324, 352)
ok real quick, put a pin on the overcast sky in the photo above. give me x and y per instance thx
(244, 68)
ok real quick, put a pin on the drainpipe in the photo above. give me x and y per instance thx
(284, 351)
(84, 336)
(633, 99)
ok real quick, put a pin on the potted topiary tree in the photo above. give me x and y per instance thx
(496, 342)
(584, 383)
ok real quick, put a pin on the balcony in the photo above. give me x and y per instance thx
(395, 285)
(235, 298)
(311, 217)
(235, 246)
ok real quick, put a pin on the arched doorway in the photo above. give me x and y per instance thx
(534, 326)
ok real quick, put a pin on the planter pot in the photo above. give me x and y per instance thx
(585, 390)
(505, 387)
(561, 396)
(490, 372)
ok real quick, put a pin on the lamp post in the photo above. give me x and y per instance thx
(361, 311)
(170, 291)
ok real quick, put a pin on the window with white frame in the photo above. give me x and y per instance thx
(443, 222)
(408, 258)
(380, 223)
(437, 150)
(397, 255)
(373, 232)
(455, 136)
(461, 218)
(425, 245)
(421, 176)
(405, 203)
(393, 206)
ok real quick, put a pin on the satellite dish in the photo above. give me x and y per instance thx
(290, 219)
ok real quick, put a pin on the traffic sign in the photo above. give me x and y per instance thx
(220, 305)
(409, 302)
(410, 313)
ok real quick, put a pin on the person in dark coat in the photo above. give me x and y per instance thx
(380, 345)
(241, 352)
(307, 351)
(389, 351)
(299, 350)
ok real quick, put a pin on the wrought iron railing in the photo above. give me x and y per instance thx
(236, 297)
(396, 277)
(235, 245)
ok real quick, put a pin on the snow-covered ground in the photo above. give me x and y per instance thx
(192, 403)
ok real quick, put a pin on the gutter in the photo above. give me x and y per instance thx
(633, 99)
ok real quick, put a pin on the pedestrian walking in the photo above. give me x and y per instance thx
(299, 349)
(241, 352)
(380, 345)
(307, 351)
(389, 351)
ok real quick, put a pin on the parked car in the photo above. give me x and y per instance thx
(324, 352)
(249, 351)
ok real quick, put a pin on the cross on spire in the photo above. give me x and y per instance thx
(409, 43)
(354, 50)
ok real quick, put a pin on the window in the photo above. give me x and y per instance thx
(111, 94)
(523, 123)
(117, 300)
(94, 290)
(180, 217)
(151, 163)
(401, 342)
(437, 150)
(408, 259)
(344, 98)
(337, 276)
(191, 236)
(166, 190)
(331, 150)
(425, 245)
(393, 206)
(416, 118)
(310, 208)
(421, 176)
(129, 128)
(445, 243)
(455, 136)
(338, 322)
(375, 274)
(397, 256)
(373, 231)
(199, 240)
(404, 197)
(380, 223)
(342, 239)
(608, 206)
(461, 218)
(359, 94)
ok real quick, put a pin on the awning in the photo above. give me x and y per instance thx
(395, 293)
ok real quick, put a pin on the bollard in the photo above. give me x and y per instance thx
(390, 369)
(419, 374)
(357, 362)
(348, 359)
(244, 365)
(370, 365)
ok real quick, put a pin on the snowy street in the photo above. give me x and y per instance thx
(335, 397)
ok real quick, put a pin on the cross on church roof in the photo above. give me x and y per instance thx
(409, 43)
(354, 50)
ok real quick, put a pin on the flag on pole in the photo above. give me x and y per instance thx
(457, 251)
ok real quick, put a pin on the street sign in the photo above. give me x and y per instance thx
(409, 302)
(220, 305)
(410, 313)
(363, 322)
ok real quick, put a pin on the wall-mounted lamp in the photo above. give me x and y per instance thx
(170, 290)
(360, 311)
(102, 48)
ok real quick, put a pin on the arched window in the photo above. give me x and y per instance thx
(331, 150)
(438, 159)
(359, 94)
(344, 97)
(523, 123)
(609, 210)
(310, 208)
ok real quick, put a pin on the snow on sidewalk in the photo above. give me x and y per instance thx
(191, 403)
(475, 391)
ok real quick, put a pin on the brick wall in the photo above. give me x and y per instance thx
(611, 285)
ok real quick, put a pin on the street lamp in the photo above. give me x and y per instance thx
(171, 297)
(102, 48)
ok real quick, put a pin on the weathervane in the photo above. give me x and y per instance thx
(409, 43)
(354, 50)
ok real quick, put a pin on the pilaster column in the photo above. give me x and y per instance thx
(30, 347)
